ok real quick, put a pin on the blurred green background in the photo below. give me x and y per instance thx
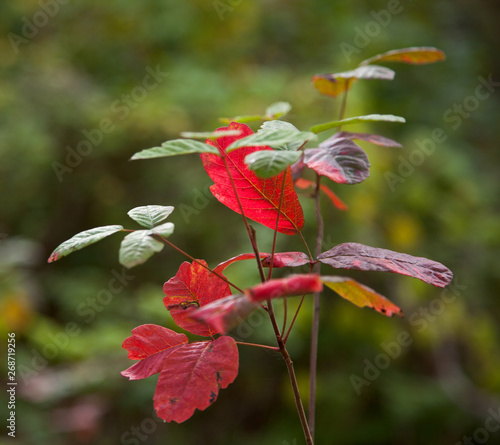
(70, 68)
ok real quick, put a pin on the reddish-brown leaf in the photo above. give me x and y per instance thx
(151, 344)
(361, 295)
(413, 55)
(298, 284)
(260, 198)
(193, 286)
(334, 84)
(340, 160)
(361, 257)
(302, 183)
(192, 376)
(224, 314)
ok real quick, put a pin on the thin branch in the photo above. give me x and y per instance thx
(285, 313)
(293, 378)
(313, 364)
(285, 338)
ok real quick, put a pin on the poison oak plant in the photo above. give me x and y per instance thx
(255, 174)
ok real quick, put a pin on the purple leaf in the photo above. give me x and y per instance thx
(340, 160)
(361, 257)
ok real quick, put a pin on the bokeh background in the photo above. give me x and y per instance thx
(70, 68)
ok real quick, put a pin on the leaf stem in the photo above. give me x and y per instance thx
(272, 348)
(194, 260)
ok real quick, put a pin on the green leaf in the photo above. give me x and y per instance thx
(137, 247)
(274, 111)
(176, 147)
(83, 239)
(282, 125)
(277, 110)
(165, 230)
(210, 135)
(278, 125)
(150, 216)
(413, 55)
(357, 120)
(272, 138)
(268, 163)
(241, 119)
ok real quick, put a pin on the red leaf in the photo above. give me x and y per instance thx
(224, 314)
(286, 259)
(361, 257)
(299, 284)
(193, 286)
(361, 295)
(373, 138)
(259, 197)
(336, 201)
(192, 376)
(151, 344)
(341, 160)
(190, 373)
